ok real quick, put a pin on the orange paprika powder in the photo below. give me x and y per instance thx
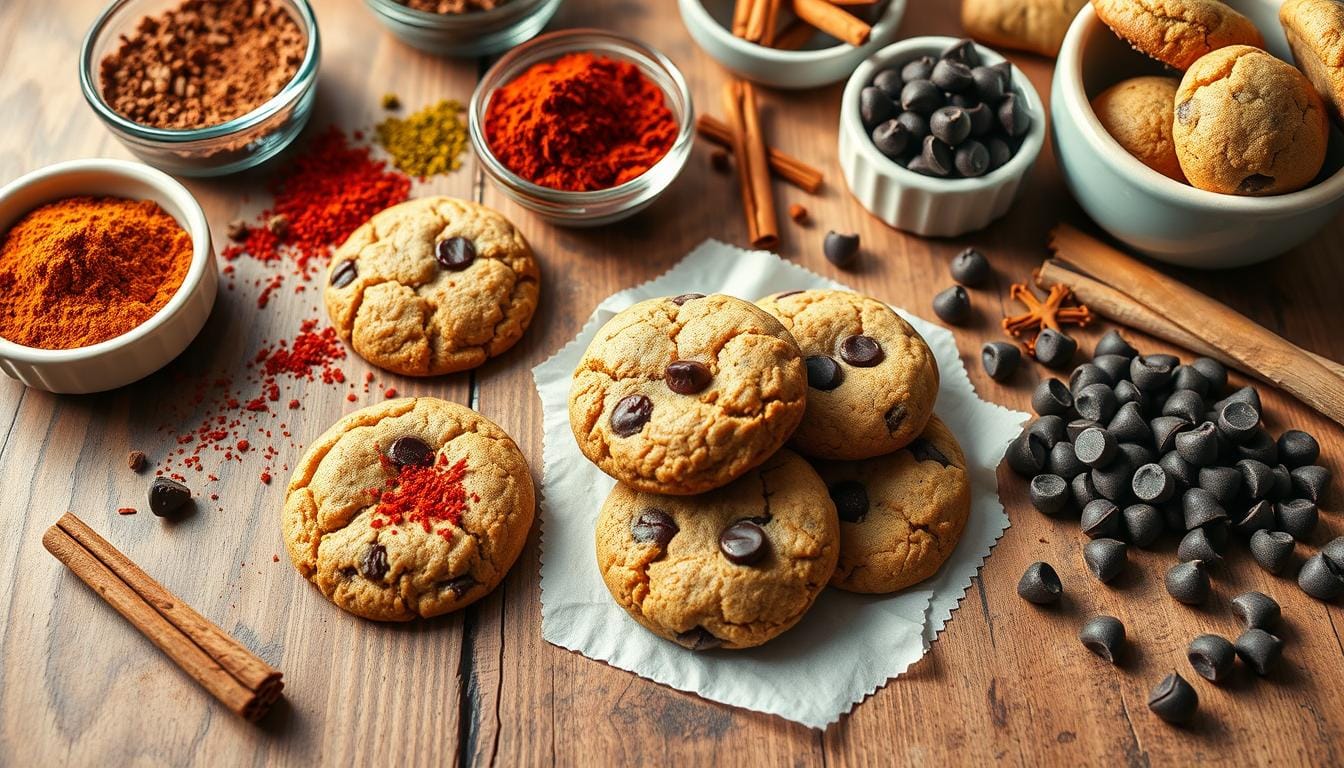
(580, 123)
(87, 269)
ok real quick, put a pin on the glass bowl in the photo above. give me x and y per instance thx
(481, 33)
(216, 150)
(597, 207)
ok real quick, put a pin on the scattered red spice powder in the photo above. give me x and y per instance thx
(351, 397)
(266, 478)
(390, 392)
(424, 495)
(126, 511)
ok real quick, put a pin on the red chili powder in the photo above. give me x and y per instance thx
(424, 495)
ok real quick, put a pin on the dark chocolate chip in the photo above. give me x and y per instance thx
(952, 126)
(654, 525)
(1055, 349)
(1173, 700)
(455, 253)
(459, 585)
(1064, 462)
(1105, 558)
(1128, 426)
(839, 249)
(1152, 484)
(1223, 482)
(1050, 428)
(971, 159)
(875, 106)
(823, 373)
(916, 124)
(1214, 372)
(1085, 376)
(1256, 477)
(861, 351)
(1311, 481)
(952, 76)
(1256, 182)
(374, 564)
(1185, 475)
(1142, 524)
(1296, 517)
(1104, 636)
(924, 450)
(921, 97)
(630, 415)
(918, 69)
(989, 84)
(1000, 359)
(685, 297)
(1212, 657)
(1246, 394)
(344, 274)
(1100, 519)
(1112, 343)
(964, 51)
(894, 418)
(743, 543)
(1026, 454)
(1076, 427)
(999, 152)
(1113, 480)
(1195, 545)
(410, 452)
(1189, 377)
(1152, 372)
(970, 268)
(937, 156)
(952, 305)
(1333, 552)
(687, 377)
(1318, 579)
(1297, 448)
(1049, 493)
(1184, 110)
(1115, 367)
(1198, 446)
(891, 80)
(1095, 447)
(1084, 492)
(1165, 429)
(1185, 403)
(1096, 402)
(1272, 550)
(698, 639)
(982, 122)
(1188, 582)
(1259, 515)
(1013, 116)
(1040, 584)
(892, 138)
(1259, 650)
(1238, 421)
(168, 497)
(1052, 398)
(1256, 610)
(851, 500)
(1201, 508)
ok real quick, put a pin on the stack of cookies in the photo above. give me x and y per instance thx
(716, 534)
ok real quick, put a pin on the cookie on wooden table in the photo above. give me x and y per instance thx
(872, 381)
(1315, 30)
(681, 395)
(1249, 124)
(731, 568)
(1138, 113)
(1177, 32)
(901, 515)
(432, 286)
(1029, 25)
(409, 508)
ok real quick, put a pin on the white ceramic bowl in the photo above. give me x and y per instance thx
(924, 205)
(147, 347)
(830, 61)
(1149, 212)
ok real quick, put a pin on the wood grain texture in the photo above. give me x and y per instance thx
(1005, 682)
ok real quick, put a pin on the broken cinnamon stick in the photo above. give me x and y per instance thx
(832, 20)
(1251, 347)
(786, 166)
(219, 663)
(752, 168)
(742, 16)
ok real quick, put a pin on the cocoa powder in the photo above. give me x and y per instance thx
(203, 63)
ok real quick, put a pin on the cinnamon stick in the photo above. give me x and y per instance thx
(1250, 346)
(759, 20)
(786, 166)
(752, 168)
(219, 663)
(832, 20)
(794, 36)
(742, 11)
(771, 22)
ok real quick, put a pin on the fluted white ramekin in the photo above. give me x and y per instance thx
(155, 342)
(925, 205)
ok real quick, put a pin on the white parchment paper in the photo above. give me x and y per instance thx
(848, 645)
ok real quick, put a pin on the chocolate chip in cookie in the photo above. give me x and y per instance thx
(823, 372)
(631, 414)
(455, 254)
(687, 377)
(654, 525)
(851, 500)
(861, 351)
(743, 543)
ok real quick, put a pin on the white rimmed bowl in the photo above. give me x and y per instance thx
(1155, 215)
(823, 61)
(479, 33)
(597, 207)
(924, 205)
(150, 345)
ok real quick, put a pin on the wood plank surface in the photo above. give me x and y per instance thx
(1005, 682)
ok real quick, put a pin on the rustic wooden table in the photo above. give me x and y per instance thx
(1005, 682)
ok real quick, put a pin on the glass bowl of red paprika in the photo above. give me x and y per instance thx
(609, 149)
(223, 148)
(468, 34)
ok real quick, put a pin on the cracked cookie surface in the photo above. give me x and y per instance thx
(1249, 124)
(740, 393)
(661, 556)
(391, 530)
(1315, 31)
(901, 515)
(432, 286)
(874, 400)
(1029, 25)
(1177, 32)
(1138, 113)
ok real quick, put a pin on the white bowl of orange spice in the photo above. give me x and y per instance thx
(107, 273)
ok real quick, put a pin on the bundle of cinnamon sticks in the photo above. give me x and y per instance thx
(223, 666)
(759, 21)
(1134, 294)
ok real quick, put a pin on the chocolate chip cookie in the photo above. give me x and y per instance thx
(901, 515)
(1315, 30)
(1177, 32)
(684, 394)
(409, 508)
(872, 381)
(731, 568)
(1249, 124)
(432, 286)
(1029, 25)
(1138, 114)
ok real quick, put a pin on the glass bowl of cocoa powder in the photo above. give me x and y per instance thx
(202, 87)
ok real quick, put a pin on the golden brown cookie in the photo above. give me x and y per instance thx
(872, 381)
(1177, 32)
(1029, 25)
(412, 507)
(901, 515)
(1138, 114)
(1315, 30)
(432, 286)
(1249, 124)
(731, 568)
(684, 394)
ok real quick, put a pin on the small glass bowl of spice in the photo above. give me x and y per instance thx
(464, 28)
(202, 87)
(107, 273)
(582, 127)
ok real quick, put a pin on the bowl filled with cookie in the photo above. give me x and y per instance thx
(1206, 149)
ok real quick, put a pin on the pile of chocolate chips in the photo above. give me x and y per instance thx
(950, 117)
(1138, 446)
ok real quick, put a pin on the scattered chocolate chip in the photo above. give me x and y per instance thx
(455, 253)
(1296, 517)
(1152, 484)
(924, 450)
(1051, 429)
(167, 497)
(1084, 492)
(1113, 480)
(1283, 483)
(1026, 454)
(1173, 700)
(743, 543)
(1112, 343)
(1076, 427)
(952, 305)
(1212, 657)
(1152, 372)
(1052, 398)
(1086, 375)
(1136, 455)
(1256, 477)
(1055, 349)
(1272, 550)
(1142, 524)
(1095, 447)
(989, 84)
(1165, 429)
(698, 639)
(851, 500)
(410, 452)
(1064, 462)
(1184, 474)
(1297, 448)
(823, 373)
(1198, 446)
(1000, 359)
(1213, 371)
(1223, 482)
(861, 351)
(373, 565)
(630, 415)
(1187, 377)
(1259, 446)
(999, 152)
(1185, 403)
(1040, 584)
(1049, 493)
(1247, 394)
(1259, 516)
(687, 377)
(1115, 367)
(1320, 579)
(1259, 650)
(1195, 545)
(840, 250)
(1096, 402)
(970, 268)
(917, 125)
(1188, 582)
(1100, 519)
(1105, 558)
(1104, 636)
(685, 297)
(136, 461)
(1200, 508)
(894, 418)
(654, 525)
(1333, 552)
(1238, 421)
(1310, 482)
(1256, 610)
(344, 274)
